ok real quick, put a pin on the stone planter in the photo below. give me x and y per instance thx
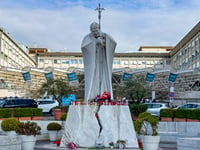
(180, 119)
(192, 120)
(11, 133)
(166, 119)
(36, 118)
(24, 118)
(10, 142)
(28, 142)
(150, 142)
(57, 113)
(53, 135)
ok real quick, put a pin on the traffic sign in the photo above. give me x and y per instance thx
(171, 94)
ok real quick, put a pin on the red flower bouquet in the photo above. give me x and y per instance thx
(71, 146)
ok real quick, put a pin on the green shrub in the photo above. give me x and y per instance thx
(7, 112)
(136, 109)
(194, 114)
(37, 112)
(20, 112)
(23, 112)
(9, 124)
(63, 117)
(167, 113)
(54, 126)
(181, 113)
(198, 113)
(144, 121)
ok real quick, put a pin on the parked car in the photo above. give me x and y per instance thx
(14, 103)
(154, 108)
(47, 105)
(189, 106)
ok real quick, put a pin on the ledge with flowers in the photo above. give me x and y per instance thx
(98, 123)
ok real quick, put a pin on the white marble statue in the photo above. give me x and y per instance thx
(98, 51)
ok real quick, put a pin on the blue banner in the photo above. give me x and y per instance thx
(150, 77)
(72, 76)
(66, 100)
(172, 77)
(127, 76)
(49, 76)
(26, 76)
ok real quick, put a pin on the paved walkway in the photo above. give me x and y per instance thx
(47, 145)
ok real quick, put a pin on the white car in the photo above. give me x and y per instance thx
(154, 108)
(189, 106)
(47, 105)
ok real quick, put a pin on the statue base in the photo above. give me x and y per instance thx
(82, 127)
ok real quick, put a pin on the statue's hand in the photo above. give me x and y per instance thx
(100, 41)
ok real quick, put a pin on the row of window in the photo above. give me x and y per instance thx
(115, 62)
(13, 56)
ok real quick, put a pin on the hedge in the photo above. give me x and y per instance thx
(136, 109)
(19, 112)
(169, 113)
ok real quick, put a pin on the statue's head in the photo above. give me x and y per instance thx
(94, 28)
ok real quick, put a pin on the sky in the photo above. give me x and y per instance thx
(60, 25)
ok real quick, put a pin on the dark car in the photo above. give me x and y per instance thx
(13, 103)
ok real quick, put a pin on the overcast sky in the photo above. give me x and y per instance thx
(60, 25)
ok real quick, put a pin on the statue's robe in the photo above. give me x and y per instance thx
(98, 62)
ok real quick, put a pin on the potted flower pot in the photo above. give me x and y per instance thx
(53, 129)
(146, 126)
(9, 125)
(121, 144)
(28, 142)
(57, 113)
(28, 132)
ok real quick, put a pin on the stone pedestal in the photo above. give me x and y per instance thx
(10, 142)
(82, 127)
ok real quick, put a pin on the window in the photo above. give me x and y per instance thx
(65, 61)
(46, 61)
(74, 61)
(116, 62)
(80, 61)
(56, 61)
(126, 62)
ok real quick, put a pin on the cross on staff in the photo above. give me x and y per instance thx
(99, 9)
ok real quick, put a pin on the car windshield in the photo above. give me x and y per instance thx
(155, 105)
(1, 102)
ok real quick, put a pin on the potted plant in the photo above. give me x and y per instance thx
(58, 111)
(146, 126)
(121, 143)
(28, 132)
(63, 117)
(53, 129)
(9, 125)
(111, 144)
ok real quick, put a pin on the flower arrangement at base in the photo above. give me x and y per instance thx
(121, 143)
(57, 143)
(71, 145)
(111, 144)
(101, 100)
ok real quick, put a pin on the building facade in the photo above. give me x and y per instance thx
(11, 54)
(183, 60)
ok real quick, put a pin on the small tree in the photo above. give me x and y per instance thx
(134, 89)
(57, 88)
